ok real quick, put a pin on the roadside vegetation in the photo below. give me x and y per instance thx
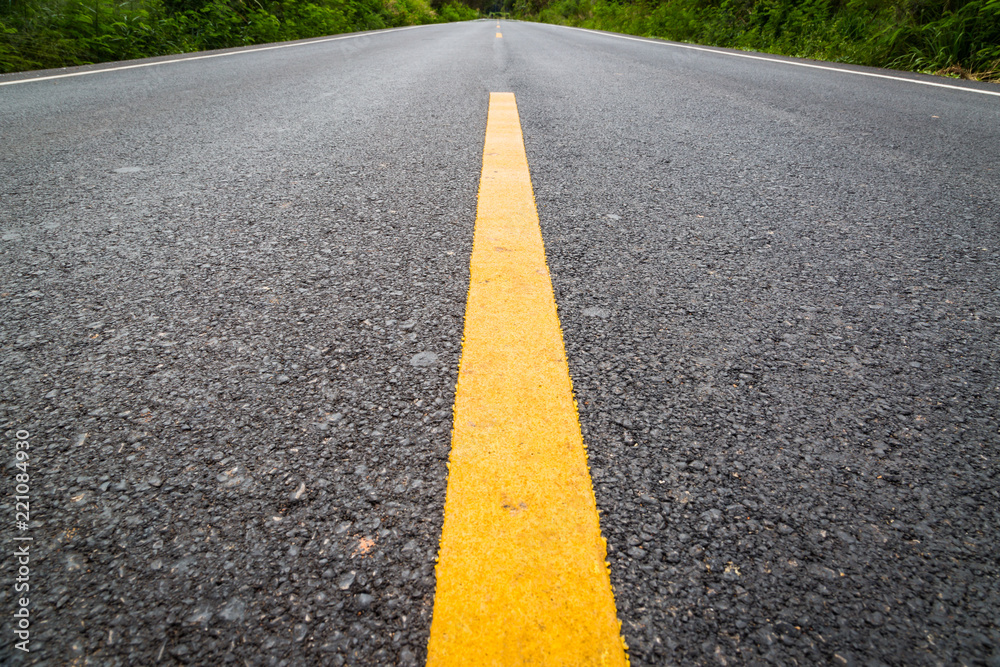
(37, 34)
(952, 37)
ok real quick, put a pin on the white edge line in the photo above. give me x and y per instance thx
(775, 60)
(211, 55)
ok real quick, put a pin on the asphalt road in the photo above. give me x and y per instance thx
(780, 297)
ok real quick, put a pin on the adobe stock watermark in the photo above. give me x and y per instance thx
(22, 541)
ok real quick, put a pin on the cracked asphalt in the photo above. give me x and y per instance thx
(233, 294)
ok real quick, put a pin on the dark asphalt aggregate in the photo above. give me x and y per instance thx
(233, 293)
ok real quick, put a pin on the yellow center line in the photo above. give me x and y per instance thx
(499, 35)
(521, 575)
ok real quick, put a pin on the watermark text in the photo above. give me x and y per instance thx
(22, 540)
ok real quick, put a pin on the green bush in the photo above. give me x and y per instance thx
(56, 33)
(456, 11)
(921, 35)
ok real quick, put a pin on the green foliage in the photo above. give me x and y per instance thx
(56, 33)
(456, 11)
(923, 35)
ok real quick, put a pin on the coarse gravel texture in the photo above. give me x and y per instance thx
(781, 301)
(233, 293)
(233, 303)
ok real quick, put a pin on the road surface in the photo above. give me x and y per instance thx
(233, 295)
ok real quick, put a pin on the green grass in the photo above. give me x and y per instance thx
(957, 39)
(37, 34)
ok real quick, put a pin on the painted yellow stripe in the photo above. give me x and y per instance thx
(499, 35)
(521, 574)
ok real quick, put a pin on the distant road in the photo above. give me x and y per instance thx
(233, 296)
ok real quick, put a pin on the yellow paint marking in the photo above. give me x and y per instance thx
(521, 574)
(499, 35)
